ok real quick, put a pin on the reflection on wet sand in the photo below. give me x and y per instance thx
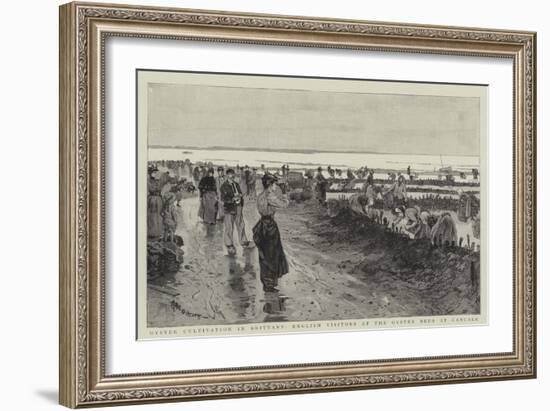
(239, 292)
(213, 286)
(216, 288)
(274, 307)
(329, 278)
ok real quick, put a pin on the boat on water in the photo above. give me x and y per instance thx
(445, 172)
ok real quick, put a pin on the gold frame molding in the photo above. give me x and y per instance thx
(84, 27)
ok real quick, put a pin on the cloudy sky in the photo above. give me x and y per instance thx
(206, 116)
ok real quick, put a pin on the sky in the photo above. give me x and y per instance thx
(275, 119)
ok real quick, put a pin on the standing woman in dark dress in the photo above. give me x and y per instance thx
(209, 198)
(155, 180)
(273, 263)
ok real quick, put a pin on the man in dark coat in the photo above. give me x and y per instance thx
(232, 198)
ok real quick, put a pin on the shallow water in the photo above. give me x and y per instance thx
(273, 159)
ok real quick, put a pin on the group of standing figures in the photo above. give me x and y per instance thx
(222, 199)
(212, 209)
(164, 194)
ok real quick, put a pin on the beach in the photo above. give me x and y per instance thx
(339, 268)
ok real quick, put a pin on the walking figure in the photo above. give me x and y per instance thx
(232, 198)
(209, 198)
(273, 263)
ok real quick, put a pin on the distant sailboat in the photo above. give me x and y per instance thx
(445, 170)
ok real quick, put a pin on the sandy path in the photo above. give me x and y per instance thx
(217, 289)
(332, 276)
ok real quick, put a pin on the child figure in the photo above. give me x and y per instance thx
(169, 216)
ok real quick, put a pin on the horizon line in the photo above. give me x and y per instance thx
(301, 151)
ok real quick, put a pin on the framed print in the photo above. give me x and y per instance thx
(298, 118)
(245, 195)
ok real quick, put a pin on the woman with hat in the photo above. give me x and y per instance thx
(155, 226)
(273, 263)
(209, 198)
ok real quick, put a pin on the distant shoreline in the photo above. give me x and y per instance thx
(297, 151)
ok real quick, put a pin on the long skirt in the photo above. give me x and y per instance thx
(244, 186)
(155, 226)
(444, 231)
(209, 207)
(273, 263)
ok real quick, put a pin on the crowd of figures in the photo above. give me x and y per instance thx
(164, 247)
(425, 217)
(223, 192)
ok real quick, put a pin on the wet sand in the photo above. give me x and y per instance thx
(338, 270)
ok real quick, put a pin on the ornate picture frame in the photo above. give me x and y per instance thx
(84, 29)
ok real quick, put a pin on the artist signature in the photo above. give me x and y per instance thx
(177, 307)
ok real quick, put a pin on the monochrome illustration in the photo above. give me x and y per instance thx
(273, 204)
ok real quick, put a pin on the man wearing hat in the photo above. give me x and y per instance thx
(232, 198)
(155, 181)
